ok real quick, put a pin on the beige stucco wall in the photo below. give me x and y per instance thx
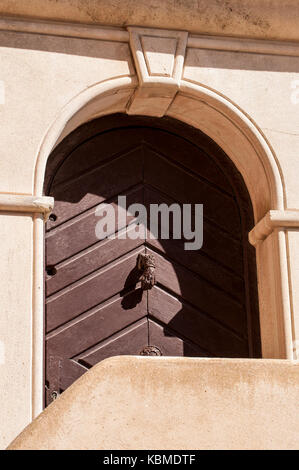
(41, 74)
(261, 85)
(15, 324)
(45, 70)
(250, 18)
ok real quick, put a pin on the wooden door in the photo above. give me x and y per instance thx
(204, 302)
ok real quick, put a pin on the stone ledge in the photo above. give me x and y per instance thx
(286, 219)
(24, 203)
(104, 33)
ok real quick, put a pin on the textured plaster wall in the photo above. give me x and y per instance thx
(15, 324)
(250, 18)
(173, 403)
(264, 87)
(41, 74)
(38, 76)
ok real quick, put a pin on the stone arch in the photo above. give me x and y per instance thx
(241, 140)
(196, 105)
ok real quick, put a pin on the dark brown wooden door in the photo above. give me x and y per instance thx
(204, 302)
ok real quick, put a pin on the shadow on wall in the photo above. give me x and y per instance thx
(199, 58)
(66, 45)
(213, 59)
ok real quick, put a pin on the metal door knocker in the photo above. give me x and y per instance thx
(146, 264)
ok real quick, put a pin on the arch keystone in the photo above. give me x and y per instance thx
(159, 58)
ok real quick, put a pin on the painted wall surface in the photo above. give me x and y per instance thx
(250, 18)
(266, 87)
(39, 76)
(15, 324)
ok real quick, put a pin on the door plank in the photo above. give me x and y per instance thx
(59, 380)
(183, 319)
(94, 152)
(91, 259)
(129, 342)
(188, 155)
(122, 275)
(199, 293)
(70, 372)
(196, 262)
(98, 325)
(80, 233)
(89, 190)
(217, 245)
(184, 187)
(170, 344)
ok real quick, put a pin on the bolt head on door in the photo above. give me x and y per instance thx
(150, 351)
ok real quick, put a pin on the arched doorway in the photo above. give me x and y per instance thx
(204, 302)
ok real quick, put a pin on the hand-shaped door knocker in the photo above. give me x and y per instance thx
(146, 264)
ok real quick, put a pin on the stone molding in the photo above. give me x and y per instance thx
(85, 31)
(24, 203)
(254, 46)
(287, 219)
(159, 58)
(72, 30)
(158, 53)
